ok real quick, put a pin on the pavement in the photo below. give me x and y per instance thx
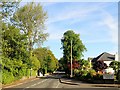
(84, 84)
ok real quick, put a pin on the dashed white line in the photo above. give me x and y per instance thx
(35, 84)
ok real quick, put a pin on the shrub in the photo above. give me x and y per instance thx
(34, 72)
(7, 77)
(98, 77)
(76, 72)
(92, 72)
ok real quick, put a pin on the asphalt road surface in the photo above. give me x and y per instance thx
(52, 82)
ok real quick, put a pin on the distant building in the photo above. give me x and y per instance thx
(105, 57)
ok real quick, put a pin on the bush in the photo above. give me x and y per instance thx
(34, 72)
(98, 77)
(0, 76)
(27, 72)
(76, 72)
(7, 77)
(84, 74)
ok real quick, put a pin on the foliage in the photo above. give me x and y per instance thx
(84, 64)
(30, 19)
(22, 28)
(46, 59)
(7, 77)
(61, 64)
(115, 65)
(91, 74)
(75, 65)
(35, 63)
(77, 47)
(99, 65)
(14, 43)
(8, 9)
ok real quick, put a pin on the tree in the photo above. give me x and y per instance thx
(14, 52)
(30, 19)
(14, 44)
(61, 64)
(46, 58)
(115, 66)
(52, 63)
(41, 54)
(77, 46)
(35, 63)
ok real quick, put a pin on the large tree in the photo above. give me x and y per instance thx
(31, 20)
(77, 46)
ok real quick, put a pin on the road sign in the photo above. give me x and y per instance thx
(108, 76)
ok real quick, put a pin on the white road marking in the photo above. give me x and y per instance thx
(27, 87)
(35, 84)
(19, 83)
(57, 84)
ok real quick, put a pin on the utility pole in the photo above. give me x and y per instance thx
(71, 61)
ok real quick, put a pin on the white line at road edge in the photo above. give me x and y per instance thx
(19, 83)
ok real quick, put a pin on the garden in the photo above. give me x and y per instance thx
(84, 71)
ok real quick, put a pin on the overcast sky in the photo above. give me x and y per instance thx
(96, 22)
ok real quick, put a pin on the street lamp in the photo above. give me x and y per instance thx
(71, 61)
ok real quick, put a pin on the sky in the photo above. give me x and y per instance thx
(96, 22)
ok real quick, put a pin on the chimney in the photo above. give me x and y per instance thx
(116, 56)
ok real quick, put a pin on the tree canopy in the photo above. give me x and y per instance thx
(77, 46)
(31, 20)
(46, 58)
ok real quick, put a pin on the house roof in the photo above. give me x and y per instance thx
(104, 57)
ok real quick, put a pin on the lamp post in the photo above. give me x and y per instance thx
(71, 61)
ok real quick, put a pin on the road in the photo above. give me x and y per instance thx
(54, 81)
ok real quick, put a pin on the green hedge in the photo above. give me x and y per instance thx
(0, 76)
(7, 77)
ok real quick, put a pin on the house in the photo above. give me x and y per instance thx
(105, 57)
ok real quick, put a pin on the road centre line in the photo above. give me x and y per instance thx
(39, 83)
(35, 84)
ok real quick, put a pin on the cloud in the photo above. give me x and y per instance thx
(111, 23)
(48, 3)
(55, 36)
(96, 41)
(76, 14)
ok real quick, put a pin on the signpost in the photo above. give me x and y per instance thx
(71, 61)
(108, 75)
